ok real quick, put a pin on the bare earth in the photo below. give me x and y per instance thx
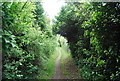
(57, 72)
(65, 69)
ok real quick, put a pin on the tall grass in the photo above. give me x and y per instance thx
(65, 53)
(48, 72)
(50, 65)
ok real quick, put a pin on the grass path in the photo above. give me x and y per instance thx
(68, 68)
(65, 67)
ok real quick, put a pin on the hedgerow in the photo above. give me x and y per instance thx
(92, 30)
(26, 47)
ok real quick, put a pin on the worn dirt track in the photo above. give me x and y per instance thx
(57, 68)
(68, 70)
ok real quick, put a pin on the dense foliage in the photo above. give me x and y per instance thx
(26, 47)
(92, 30)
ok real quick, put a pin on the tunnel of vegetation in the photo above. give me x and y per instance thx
(92, 30)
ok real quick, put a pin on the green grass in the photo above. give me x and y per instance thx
(67, 64)
(50, 66)
(66, 73)
(65, 55)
